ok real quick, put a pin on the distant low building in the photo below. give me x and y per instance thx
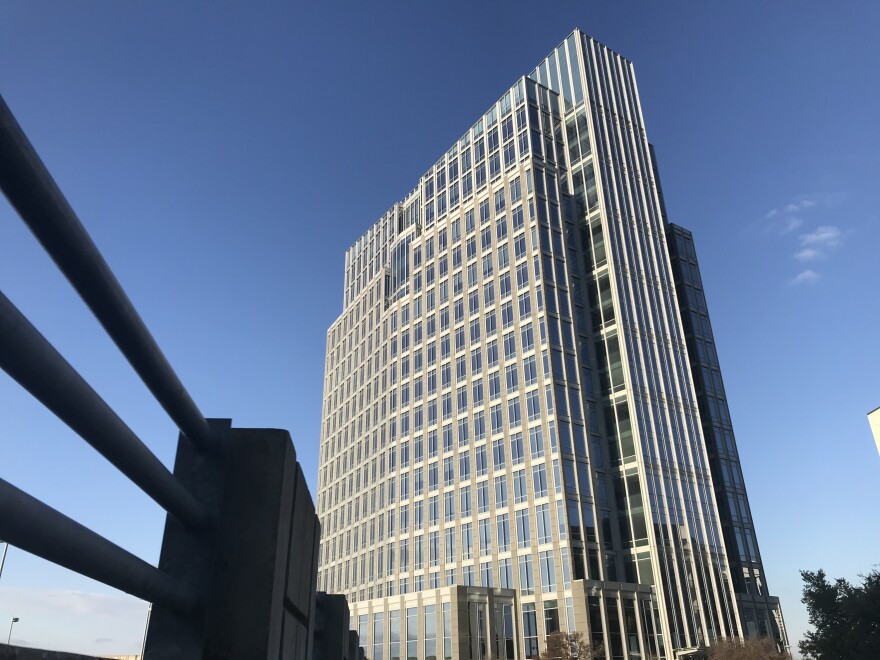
(874, 421)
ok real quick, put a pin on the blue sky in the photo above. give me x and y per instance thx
(223, 156)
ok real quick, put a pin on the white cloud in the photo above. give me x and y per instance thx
(825, 236)
(77, 621)
(805, 277)
(812, 246)
(800, 206)
(782, 220)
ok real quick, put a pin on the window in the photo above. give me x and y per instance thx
(485, 533)
(412, 632)
(539, 479)
(491, 327)
(542, 518)
(431, 629)
(522, 276)
(483, 497)
(510, 377)
(501, 229)
(517, 456)
(548, 574)
(505, 573)
(466, 508)
(484, 211)
(525, 306)
(494, 385)
(448, 471)
(467, 540)
(496, 419)
(523, 529)
(527, 586)
(469, 215)
(475, 331)
(464, 468)
(449, 537)
(480, 460)
(491, 352)
(501, 491)
(502, 525)
(514, 417)
(418, 483)
(507, 314)
(536, 442)
(515, 190)
(504, 285)
(530, 371)
(486, 244)
(378, 634)
(527, 337)
(471, 247)
(463, 432)
(479, 426)
(498, 453)
(489, 294)
(503, 256)
(520, 494)
(486, 573)
(476, 362)
(517, 220)
(533, 405)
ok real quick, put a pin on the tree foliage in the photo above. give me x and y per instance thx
(570, 646)
(763, 648)
(845, 617)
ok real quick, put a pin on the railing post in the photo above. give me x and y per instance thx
(258, 569)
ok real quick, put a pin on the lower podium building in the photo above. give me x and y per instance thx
(524, 426)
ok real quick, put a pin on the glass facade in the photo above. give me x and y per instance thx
(509, 396)
(760, 613)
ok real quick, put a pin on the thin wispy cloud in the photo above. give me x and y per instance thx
(805, 277)
(825, 236)
(785, 219)
(811, 246)
(794, 207)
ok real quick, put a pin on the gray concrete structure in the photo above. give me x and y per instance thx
(257, 570)
(333, 638)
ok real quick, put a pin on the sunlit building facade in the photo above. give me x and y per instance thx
(512, 442)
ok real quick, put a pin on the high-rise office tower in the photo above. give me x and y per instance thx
(524, 426)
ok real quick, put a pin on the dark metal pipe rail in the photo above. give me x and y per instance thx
(32, 361)
(36, 197)
(27, 523)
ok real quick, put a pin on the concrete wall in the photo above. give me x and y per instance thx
(257, 569)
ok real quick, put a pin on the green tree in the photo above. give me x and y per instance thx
(763, 648)
(570, 646)
(845, 617)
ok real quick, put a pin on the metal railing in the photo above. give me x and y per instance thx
(33, 362)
